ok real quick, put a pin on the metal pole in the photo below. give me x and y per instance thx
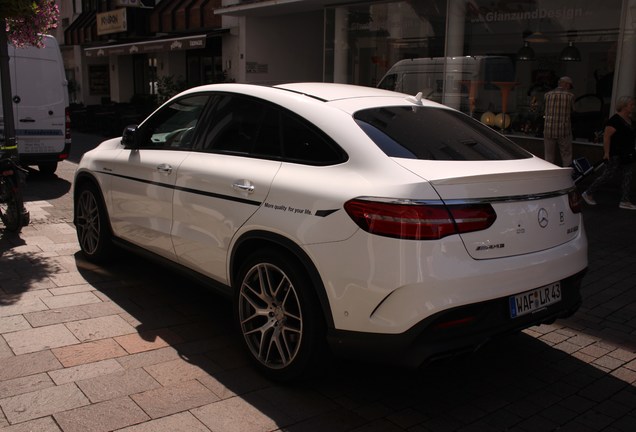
(10, 144)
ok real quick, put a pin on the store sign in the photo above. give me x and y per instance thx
(112, 22)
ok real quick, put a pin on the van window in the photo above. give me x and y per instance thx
(434, 134)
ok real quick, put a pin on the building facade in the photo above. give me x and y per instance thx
(491, 59)
(120, 51)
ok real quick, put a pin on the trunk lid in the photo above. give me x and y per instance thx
(529, 196)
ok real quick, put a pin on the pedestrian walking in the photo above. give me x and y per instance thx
(557, 129)
(618, 152)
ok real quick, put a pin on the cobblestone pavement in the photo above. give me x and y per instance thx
(133, 347)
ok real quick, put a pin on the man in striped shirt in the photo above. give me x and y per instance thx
(557, 131)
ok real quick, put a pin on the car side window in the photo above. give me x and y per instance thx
(173, 126)
(304, 143)
(251, 127)
(235, 123)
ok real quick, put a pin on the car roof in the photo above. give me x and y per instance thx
(346, 97)
(333, 91)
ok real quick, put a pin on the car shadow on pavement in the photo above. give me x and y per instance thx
(545, 379)
(48, 186)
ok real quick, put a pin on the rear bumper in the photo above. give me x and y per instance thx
(432, 338)
(38, 158)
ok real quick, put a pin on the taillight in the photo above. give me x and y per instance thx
(417, 221)
(67, 123)
(574, 199)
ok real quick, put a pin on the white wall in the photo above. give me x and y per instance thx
(282, 48)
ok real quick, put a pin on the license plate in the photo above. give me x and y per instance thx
(534, 300)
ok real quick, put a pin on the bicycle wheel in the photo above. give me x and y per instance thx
(11, 205)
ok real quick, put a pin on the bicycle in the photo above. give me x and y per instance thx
(12, 176)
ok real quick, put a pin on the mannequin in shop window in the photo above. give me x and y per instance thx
(557, 129)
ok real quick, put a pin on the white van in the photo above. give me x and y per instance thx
(447, 80)
(40, 105)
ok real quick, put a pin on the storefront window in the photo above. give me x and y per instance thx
(493, 60)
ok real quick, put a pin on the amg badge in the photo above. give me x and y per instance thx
(489, 247)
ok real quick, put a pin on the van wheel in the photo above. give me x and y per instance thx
(278, 315)
(48, 168)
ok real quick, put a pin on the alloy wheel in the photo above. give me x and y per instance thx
(87, 222)
(270, 316)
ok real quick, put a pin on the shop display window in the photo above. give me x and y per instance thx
(491, 60)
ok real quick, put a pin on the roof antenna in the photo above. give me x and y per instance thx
(417, 99)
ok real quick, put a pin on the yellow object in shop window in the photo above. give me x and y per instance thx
(488, 118)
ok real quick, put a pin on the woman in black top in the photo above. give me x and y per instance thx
(618, 145)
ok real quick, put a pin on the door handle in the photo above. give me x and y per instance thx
(244, 187)
(27, 120)
(164, 169)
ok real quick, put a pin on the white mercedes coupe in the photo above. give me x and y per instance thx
(340, 218)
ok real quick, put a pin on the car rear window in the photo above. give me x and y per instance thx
(435, 134)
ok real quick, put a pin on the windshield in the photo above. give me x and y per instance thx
(434, 134)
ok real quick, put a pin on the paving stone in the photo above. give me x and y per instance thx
(105, 308)
(148, 340)
(181, 422)
(13, 323)
(117, 385)
(102, 417)
(37, 240)
(623, 354)
(5, 350)
(46, 424)
(24, 284)
(66, 300)
(85, 371)
(236, 415)
(41, 403)
(609, 362)
(88, 352)
(73, 289)
(69, 248)
(627, 375)
(234, 382)
(28, 364)
(172, 399)
(22, 306)
(173, 372)
(26, 384)
(149, 358)
(100, 328)
(41, 338)
(56, 316)
(68, 278)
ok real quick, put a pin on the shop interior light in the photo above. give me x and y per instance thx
(570, 53)
(536, 37)
(526, 53)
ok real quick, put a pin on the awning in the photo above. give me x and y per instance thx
(149, 46)
(274, 7)
(75, 33)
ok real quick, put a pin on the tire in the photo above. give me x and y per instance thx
(12, 212)
(47, 168)
(278, 316)
(91, 223)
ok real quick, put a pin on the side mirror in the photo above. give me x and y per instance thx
(128, 137)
